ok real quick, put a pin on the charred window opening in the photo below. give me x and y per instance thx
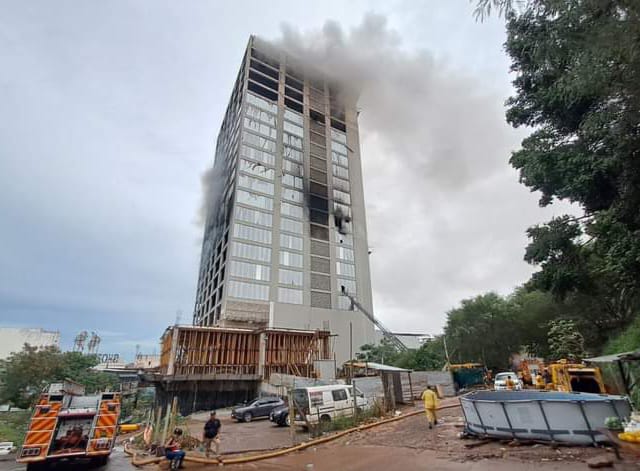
(319, 218)
(293, 83)
(262, 57)
(263, 92)
(341, 220)
(318, 189)
(318, 203)
(291, 93)
(263, 80)
(265, 70)
(338, 125)
(293, 105)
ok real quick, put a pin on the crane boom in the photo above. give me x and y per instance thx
(386, 332)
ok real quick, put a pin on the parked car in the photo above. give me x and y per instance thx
(6, 448)
(260, 407)
(324, 403)
(500, 382)
(280, 416)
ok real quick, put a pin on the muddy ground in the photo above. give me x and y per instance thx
(406, 444)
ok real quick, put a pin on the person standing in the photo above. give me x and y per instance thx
(211, 434)
(430, 399)
(510, 383)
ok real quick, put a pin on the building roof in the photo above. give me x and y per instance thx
(371, 365)
(626, 356)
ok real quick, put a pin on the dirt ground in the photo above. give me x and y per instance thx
(404, 444)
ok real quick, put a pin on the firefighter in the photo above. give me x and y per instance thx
(540, 384)
(430, 399)
(510, 383)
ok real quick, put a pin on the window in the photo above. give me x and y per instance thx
(339, 159)
(344, 239)
(345, 269)
(252, 252)
(344, 253)
(294, 196)
(291, 210)
(239, 289)
(293, 154)
(350, 285)
(344, 303)
(339, 147)
(291, 180)
(259, 155)
(249, 270)
(291, 140)
(291, 242)
(251, 199)
(259, 142)
(340, 184)
(257, 169)
(339, 394)
(290, 277)
(292, 168)
(262, 103)
(292, 116)
(338, 136)
(256, 113)
(290, 259)
(290, 225)
(256, 184)
(346, 210)
(253, 216)
(340, 171)
(254, 234)
(341, 196)
(291, 296)
(260, 128)
(293, 129)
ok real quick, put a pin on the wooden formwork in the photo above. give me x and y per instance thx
(211, 351)
(293, 351)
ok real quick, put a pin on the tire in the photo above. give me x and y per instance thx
(247, 417)
(287, 421)
(284, 421)
(100, 461)
(325, 419)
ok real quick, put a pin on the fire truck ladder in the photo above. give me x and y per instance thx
(390, 336)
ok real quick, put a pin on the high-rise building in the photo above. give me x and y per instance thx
(286, 226)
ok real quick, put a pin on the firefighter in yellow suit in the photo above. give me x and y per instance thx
(430, 399)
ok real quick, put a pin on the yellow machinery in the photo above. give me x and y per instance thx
(530, 368)
(575, 377)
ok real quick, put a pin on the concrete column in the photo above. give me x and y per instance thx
(262, 353)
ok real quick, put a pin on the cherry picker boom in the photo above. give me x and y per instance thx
(395, 341)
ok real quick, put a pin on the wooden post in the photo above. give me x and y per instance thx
(292, 415)
(167, 417)
(410, 387)
(355, 399)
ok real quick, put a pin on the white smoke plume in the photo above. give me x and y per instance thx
(444, 209)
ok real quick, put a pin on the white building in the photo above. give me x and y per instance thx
(12, 339)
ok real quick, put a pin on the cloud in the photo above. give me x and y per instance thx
(446, 216)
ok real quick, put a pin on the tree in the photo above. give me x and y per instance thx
(483, 329)
(384, 352)
(24, 374)
(577, 83)
(565, 341)
(430, 356)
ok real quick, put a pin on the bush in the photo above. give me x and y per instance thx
(13, 426)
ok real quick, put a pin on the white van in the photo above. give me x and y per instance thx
(324, 403)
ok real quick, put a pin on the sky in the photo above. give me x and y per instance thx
(108, 118)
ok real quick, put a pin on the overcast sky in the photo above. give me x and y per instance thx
(108, 117)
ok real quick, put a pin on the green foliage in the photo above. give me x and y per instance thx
(626, 341)
(384, 352)
(483, 329)
(565, 341)
(430, 356)
(13, 426)
(24, 374)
